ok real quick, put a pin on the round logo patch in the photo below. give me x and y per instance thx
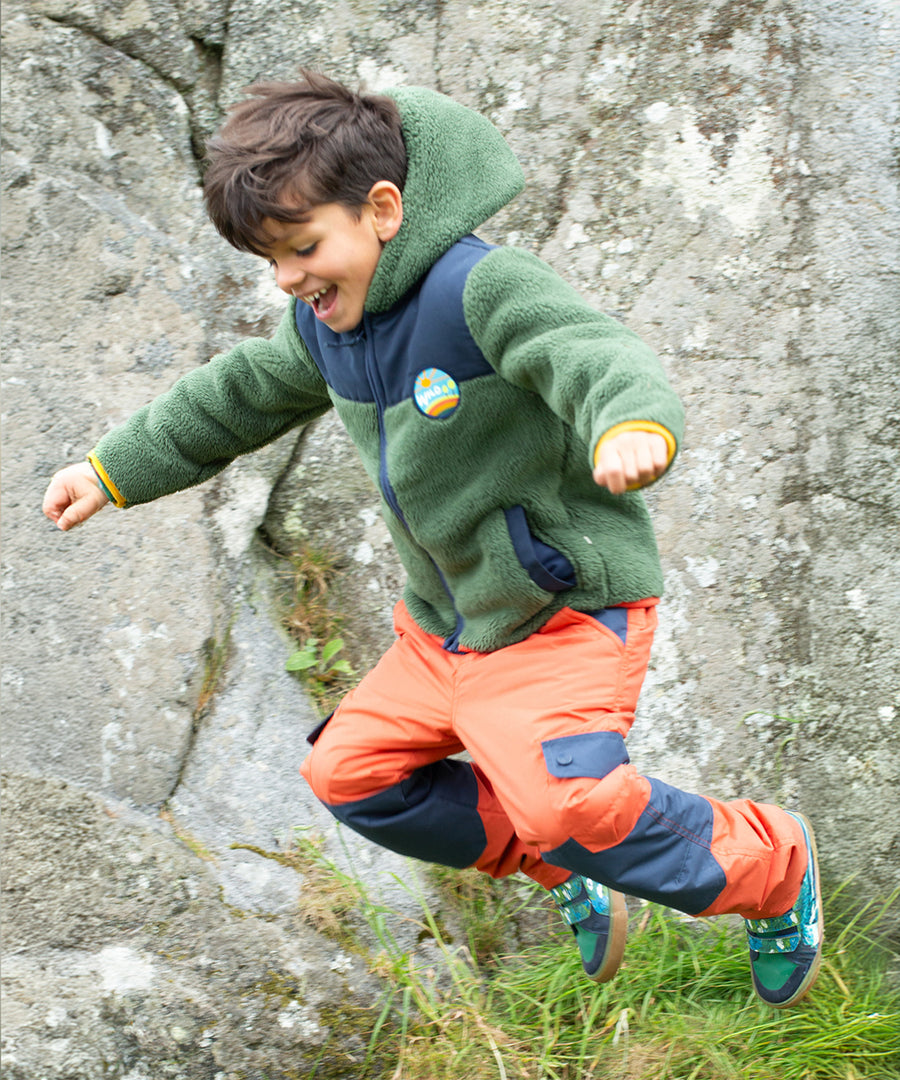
(436, 393)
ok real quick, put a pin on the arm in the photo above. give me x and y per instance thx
(236, 403)
(593, 372)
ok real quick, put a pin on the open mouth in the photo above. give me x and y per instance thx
(323, 302)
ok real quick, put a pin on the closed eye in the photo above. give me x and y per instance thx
(307, 251)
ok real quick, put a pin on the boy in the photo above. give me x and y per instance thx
(507, 425)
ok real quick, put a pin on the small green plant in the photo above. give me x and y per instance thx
(313, 618)
(317, 660)
(326, 678)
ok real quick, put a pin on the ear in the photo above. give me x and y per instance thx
(386, 204)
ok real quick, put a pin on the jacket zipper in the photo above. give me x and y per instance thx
(451, 642)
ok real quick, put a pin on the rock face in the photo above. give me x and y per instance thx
(718, 175)
(127, 962)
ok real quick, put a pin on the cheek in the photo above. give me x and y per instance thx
(369, 266)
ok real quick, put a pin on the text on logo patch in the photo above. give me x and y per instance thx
(436, 393)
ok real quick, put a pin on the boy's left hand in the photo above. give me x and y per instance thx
(631, 459)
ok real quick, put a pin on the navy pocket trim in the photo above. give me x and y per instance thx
(615, 619)
(593, 753)
(313, 736)
(548, 568)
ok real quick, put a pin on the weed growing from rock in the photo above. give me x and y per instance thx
(312, 616)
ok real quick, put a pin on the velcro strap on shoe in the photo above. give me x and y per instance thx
(788, 921)
(575, 912)
(777, 943)
(598, 896)
(568, 890)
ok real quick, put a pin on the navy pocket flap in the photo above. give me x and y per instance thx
(594, 754)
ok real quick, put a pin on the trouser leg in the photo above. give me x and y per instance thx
(381, 765)
(546, 720)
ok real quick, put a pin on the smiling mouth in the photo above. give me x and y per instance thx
(323, 301)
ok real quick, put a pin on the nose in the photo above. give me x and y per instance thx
(288, 277)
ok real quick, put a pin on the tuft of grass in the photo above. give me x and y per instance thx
(680, 1008)
(491, 913)
(328, 897)
(312, 617)
(310, 575)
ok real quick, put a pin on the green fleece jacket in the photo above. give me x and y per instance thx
(477, 389)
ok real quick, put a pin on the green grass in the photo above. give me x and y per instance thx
(680, 1008)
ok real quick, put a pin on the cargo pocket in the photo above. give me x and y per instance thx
(592, 753)
(548, 568)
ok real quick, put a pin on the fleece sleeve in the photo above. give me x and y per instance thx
(539, 334)
(236, 403)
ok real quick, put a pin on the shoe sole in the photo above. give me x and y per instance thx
(804, 988)
(618, 931)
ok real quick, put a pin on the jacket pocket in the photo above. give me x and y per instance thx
(548, 568)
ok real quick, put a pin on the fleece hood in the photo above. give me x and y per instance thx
(460, 172)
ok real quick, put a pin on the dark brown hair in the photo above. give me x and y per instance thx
(293, 146)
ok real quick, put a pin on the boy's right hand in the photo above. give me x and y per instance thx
(73, 495)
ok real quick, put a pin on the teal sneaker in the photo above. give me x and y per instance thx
(599, 920)
(786, 951)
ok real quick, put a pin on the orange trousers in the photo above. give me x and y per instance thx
(549, 790)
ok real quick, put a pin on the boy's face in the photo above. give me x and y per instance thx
(328, 258)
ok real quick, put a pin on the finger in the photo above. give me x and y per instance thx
(610, 472)
(631, 470)
(648, 460)
(72, 516)
(57, 498)
(644, 467)
(51, 511)
(80, 510)
(660, 452)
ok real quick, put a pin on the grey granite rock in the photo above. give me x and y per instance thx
(718, 175)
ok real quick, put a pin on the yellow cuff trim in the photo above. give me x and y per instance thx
(648, 426)
(118, 498)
